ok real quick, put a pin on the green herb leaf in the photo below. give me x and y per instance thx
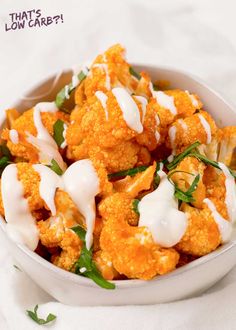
(181, 156)
(67, 90)
(55, 167)
(5, 151)
(134, 73)
(85, 265)
(130, 172)
(34, 316)
(135, 205)
(4, 161)
(185, 196)
(58, 129)
(157, 178)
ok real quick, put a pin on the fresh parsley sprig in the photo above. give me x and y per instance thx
(85, 265)
(67, 90)
(34, 316)
(58, 129)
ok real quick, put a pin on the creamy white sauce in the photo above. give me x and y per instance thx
(67, 95)
(49, 182)
(44, 142)
(159, 213)
(224, 226)
(164, 100)
(46, 107)
(21, 226)
(157, 136)
(183, 124)
(103, 99)
(104, 67)
(80, 181)
(82, 184)
(129, 109)
(64, 143)
(230, 195)
(192, 99)
(14, 137)
(157, 119)
(144, 103)
(206, 127)
(172, 136)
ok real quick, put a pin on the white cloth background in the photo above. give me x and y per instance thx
(197, 36)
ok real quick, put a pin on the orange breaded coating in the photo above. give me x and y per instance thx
(109, 141)
(136, 184)
(190, 130)
(55, 232)
(119, 202)
(107, 71)
(24, 125)
(227, 145)
(214, 181)
(202, 235)
(104, 265)
(131, 249)
(184, 174)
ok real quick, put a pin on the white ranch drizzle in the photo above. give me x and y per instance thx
(144, 103)
(183, 124)
(46, 107)
(64, 143)
(82, 184)
(193, 99)
(103, 99)
(230, 195)
(75, 80)
(159, 213)
(157, 136)
(67, 95)
(172, 136)
(80, 181)
(164, 100)
(14, 137)
(157, 119)
(44, 142)
(49, 182)
(224, 226)
(129, 109)
(206, 127)
(21, 226)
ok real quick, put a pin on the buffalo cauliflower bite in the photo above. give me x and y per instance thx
(202, 235)
(24, 125)
(184, 174)
(183, 132)
(107, 71)
(132, 249)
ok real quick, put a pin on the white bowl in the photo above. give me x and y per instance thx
(184, 282)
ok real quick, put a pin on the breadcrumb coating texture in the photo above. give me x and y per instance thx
(24, 125)
(131, 249)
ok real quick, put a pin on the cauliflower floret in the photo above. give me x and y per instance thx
(227, 145)
(120, 204)
(189, 130)
(105, 266)
(131, 249)
(107, 71)
(25, 124)
(202, 235)
(184, 174)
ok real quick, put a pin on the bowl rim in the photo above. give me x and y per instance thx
(130, 283)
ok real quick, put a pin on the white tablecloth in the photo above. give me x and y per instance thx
(197, 36)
